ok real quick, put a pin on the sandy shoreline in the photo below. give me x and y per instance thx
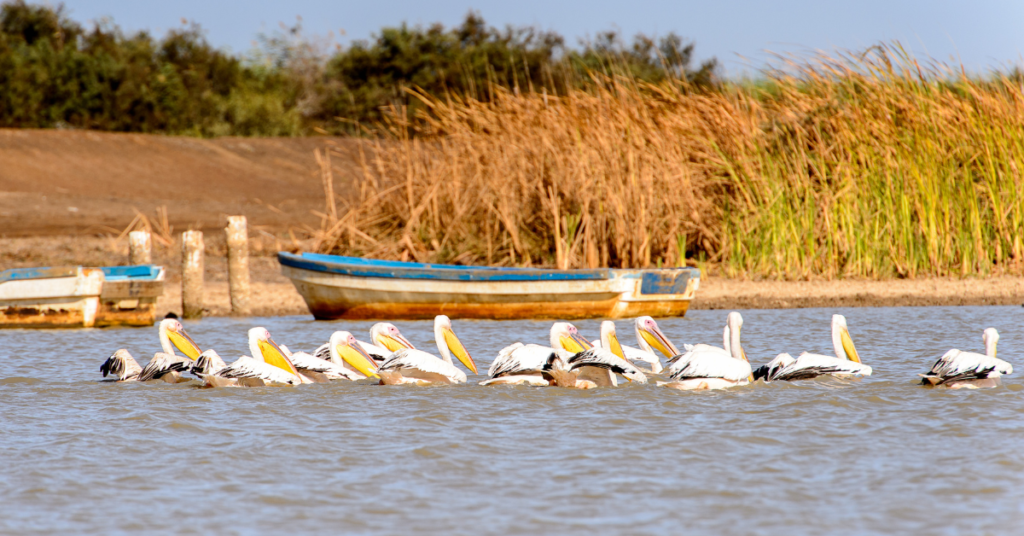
(274, 295)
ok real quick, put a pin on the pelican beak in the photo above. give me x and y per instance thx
(456, 347)
(574, 343)
(184, 343)
(395, 343)
(659, 341)
(848, 347)
(616, 348)
(358, 359)
(273, 355)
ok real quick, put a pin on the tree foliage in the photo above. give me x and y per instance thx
(55, 72)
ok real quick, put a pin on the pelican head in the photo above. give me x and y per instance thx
(263, 347)
(386, 335)
(344, 348)
(172, 332)
(650, 337)
(841, 341)
(609, 340)
(565, 336)
(443, 334)
(733, 323)
(990, 337)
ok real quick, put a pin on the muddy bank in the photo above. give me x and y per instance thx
(55, 182)
(718, 293)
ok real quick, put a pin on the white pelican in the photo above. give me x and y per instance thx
(162, 366)
(344, 350)
(524, 363)
(649, 336)
(968, 370)
(593, 358)
(385, 340)
(269, 366)
(807, 366)
(709, 367)
(409, 365)
(165, 365)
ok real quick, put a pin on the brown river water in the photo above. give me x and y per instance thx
(880, 455)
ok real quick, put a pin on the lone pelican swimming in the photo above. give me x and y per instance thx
(969, 370)
(807, 366)
(165, 365)
(709, 367)
(409, 365)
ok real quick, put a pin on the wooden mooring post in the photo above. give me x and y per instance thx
(139, 248)
(192, 250)
(238, 265)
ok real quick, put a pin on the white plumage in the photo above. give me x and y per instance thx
(707, 367)
(307, 363)
(246, 367)
(807, 366)
(957, 369)
(409, 365)
(604, 359)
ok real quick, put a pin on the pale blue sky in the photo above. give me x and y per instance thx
(982, 34)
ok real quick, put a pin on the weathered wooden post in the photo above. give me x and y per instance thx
(192, 250)
(238, 265)
(139, 248)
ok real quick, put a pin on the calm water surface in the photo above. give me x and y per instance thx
(879, 455)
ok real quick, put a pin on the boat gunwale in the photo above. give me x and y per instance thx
(354, 266)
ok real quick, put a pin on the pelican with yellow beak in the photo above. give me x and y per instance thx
(807, 365)
(343, 349)
(409, 365)
(270, 365)
(165, 365)
(969, 370)
(705, 367)
(650, 338)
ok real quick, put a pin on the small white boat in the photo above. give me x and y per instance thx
(77, 297)
(353, 288)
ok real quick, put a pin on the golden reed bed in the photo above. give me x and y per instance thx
(873, 165)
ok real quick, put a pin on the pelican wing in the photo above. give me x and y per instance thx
(769, 371)
(305, 362)
(247, 367)
(421, 365)
(520, 359)
(601, 358)
(808, 366)
(323, 352)
(122, 365)
(955, 365)
(162, 364)
(705, 361)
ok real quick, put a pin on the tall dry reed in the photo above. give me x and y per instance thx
(863, 165)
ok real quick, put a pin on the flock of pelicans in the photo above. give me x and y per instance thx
(569, 360)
